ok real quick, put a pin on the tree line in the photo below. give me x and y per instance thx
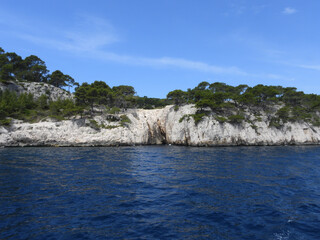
(224, 99)
(123, 96)
(25, 107)
(32, 69)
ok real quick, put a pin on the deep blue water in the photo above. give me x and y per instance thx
(160, 192)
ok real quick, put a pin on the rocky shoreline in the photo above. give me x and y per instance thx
(158, 126)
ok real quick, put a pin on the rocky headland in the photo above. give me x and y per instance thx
(168, 125)
(157, 126)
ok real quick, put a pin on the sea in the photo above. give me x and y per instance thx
(160, 192)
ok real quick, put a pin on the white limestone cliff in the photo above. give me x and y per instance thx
(155, 126)
(37, 89)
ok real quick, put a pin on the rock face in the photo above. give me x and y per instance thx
(158, 126)
(37, 89)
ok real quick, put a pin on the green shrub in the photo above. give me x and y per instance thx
(5, 122)
(148, 106)
(258, 119)
(114, 110)
(57, 117)
(236, 119)
(275, 122)
(12, 105)
(124, 120)
(113, 118)
(110, 127)
(197, 117)
(316, 122)
(42, 102)
(31, 116)
(94, 124)
(253, 126)
(183, 117)
(64, 108)
(4, 81)
(300, 114)
(283, 113)
(221, 119)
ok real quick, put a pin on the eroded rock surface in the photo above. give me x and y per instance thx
(37, 89)
(157, 126)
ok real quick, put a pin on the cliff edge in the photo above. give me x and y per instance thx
(158, 126)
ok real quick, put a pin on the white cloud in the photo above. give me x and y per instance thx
(279, 77)
(95, 52)
(86, 34)
(200, 66)
(194, 65)
(299, 65)
(90, 35)
(313, 67)
(289, 11)
(186, 64)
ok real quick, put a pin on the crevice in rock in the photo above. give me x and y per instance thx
(163, 134)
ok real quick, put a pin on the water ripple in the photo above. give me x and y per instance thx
(158, 192)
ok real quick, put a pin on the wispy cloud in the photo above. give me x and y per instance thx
(76, 42)
(92, 34)
(201, 66)
(257, 44)
(92, 37)
(87, 34)
(289, 11)
(278, 77)
(170, 62)
(91, 47)
(77, 45)
(313, 67)
(296, 64)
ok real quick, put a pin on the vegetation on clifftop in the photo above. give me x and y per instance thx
(25, 107)
(228, 103)
(31, 69)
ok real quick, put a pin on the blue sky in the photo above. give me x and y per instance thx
(158, 46)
